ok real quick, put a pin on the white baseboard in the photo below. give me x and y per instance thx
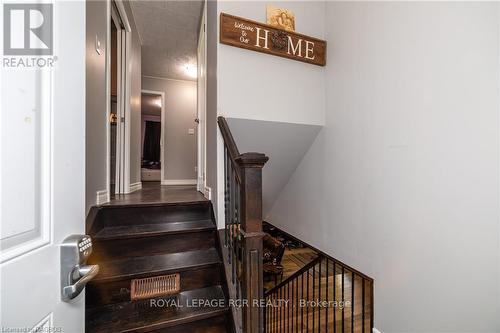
(200, 187)
(179, 182)
(208, 193)
(376, 330)
(135, 187)
(102, 197)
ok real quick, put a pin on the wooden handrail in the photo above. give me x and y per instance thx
(230, 144)
(295, 275)
(324, 254)
(228, 137)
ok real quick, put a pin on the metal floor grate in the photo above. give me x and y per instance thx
(163, 285)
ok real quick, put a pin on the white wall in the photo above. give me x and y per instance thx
(403, 181)
(211, 135)
(284, 143)
(96, 119)
(135, 100)
(179, 161)
(257, 86)
(95, 106)
(253, 85)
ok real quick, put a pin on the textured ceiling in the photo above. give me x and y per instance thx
(169, 35)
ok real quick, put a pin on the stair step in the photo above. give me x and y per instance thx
(109, 292)
(154, 229)
(120, 248)
(140, 267)
(219, 324)
(112, 216)
(143, 316)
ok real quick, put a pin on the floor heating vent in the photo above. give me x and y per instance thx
(156, 286)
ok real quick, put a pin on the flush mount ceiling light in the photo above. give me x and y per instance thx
(190, 71)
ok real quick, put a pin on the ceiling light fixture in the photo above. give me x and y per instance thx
(191, 71)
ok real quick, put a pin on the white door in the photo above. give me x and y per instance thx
(42, 176)
(201, 110)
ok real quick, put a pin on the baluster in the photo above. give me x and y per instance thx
(307, 308)
(371, 306)
(288, 308)
(271, 312)
(327, 295)
(313, 295)
(266, 317)
(352, 301)
(237, 228)
(231, 220)
(343, 299)
(335, 296)
(273, 323)
(282, 311)
(363, 304)
(319, 297)
(302, 297)
(276, 313)
(296, 304)
(226, 197)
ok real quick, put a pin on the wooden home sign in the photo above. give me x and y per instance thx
(247, 34)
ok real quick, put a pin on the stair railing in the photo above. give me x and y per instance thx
(243, 227)
(323, 296)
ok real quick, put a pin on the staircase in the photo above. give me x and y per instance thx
(135, 242)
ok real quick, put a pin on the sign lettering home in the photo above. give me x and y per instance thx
(251, 35)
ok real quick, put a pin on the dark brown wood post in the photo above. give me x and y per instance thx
(251, 165)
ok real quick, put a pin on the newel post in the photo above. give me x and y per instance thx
(251, 165)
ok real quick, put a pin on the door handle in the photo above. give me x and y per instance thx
(85, 274)
(75, 274)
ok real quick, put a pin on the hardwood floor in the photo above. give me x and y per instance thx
(154, 193)
(293, 260)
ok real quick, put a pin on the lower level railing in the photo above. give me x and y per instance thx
(324, 296)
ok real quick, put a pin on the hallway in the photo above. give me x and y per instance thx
(154, 193)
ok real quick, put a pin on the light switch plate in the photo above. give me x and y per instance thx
(191, 131)
(98, 45)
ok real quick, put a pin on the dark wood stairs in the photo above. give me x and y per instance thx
(144, 241)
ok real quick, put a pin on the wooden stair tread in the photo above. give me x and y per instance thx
(141, 316)
(153, 229)
(139, 267)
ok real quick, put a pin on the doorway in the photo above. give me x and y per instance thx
(169, 65)
(201, 108)
(118, 108)
(152, 125)
(113, 110)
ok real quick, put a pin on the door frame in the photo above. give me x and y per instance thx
(202, 108)
(122, 168)
(163, 130)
